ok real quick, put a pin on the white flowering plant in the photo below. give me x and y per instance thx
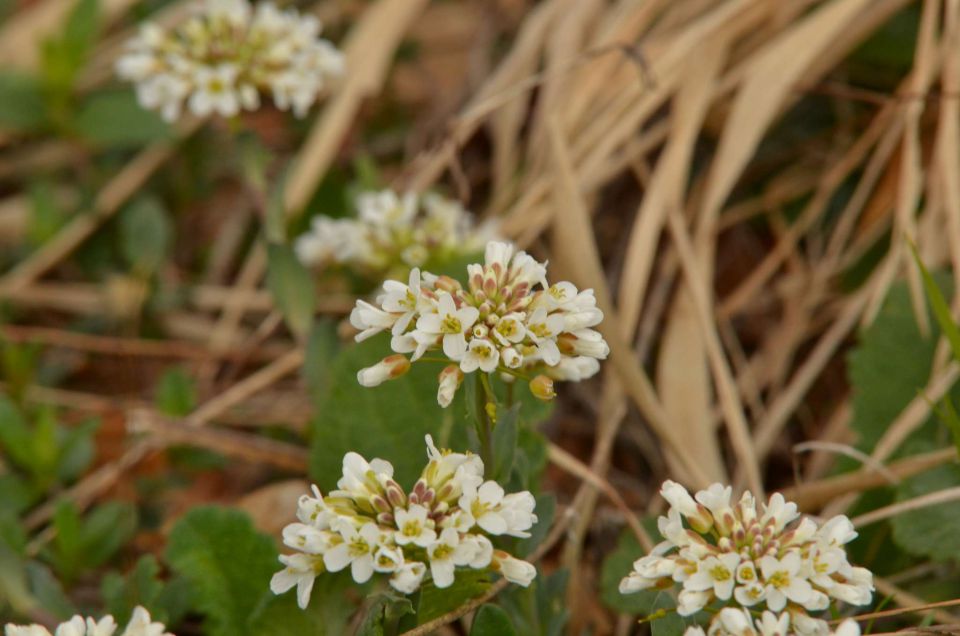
(760, 569)
(140, 624)
(225, 56)
(392, 233)
(371, 525)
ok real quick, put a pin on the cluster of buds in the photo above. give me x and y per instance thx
(371, 525)
(140, 625)
(508, 320)
(740, 622)
(226, 54)
(391, 234)
(736, 556)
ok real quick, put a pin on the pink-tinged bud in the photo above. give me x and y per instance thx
(395, 494)
(447, 284)
(542, 388)
(387, 369)
(450, 379)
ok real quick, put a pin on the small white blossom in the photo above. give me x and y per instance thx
(514, 570)
(778, 567)
(140, 625)
(225, 55)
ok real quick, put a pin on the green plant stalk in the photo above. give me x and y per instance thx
(484, 396)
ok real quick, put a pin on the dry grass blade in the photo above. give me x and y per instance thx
(369, 51)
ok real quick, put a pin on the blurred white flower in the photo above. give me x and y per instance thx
(140, 625)
(225, 55)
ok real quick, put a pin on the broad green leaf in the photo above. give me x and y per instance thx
(491, 621)
(890, 364)
(539, 609)
(105, 530)
(146, 235)
(176, 393)
(384, 612)
(435, 602)
(67, 550)
(13, 581)
(941, 310)
(933, 531)
(114, 119)
(388, 421)
(292, 287)
(322, 348)
(229, 565)
(76, 449)
(328, 614)
(64, 55)
(16, 439)
(21, 102)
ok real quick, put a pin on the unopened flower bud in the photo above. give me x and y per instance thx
(511, 358)
(387, 369)
(450, 379)
(542, 388)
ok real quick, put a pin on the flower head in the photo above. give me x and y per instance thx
(140, 625)
(737, 557)
(391, 235)
(506, 319)
(225, 55)
(370, 525)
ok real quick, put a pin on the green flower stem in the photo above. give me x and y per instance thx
(484, 424)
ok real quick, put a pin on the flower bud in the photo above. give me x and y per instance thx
(514, 570)
(387, 369)
(542, 388)
(450, 379)
(511, 358)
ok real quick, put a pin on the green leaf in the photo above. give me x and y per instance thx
(948, 415)
(491, 621)
(114, 119)
(76, 449)
(176, 393)
(13, 581)
(322, 347)
(890, 364)
(47, 215)
(146, 234)
(67, 548)
(328, 613)
(292, 287)
(48, 591)
(941, 310)
(63, 56)
(539, 608)
(141, 586)
(933, 531)
(21, 102)
(388, 421)
(229, 565)
(435, 602)
(16, 439)
(385, 610)
(107, 529)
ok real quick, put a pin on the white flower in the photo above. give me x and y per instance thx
(715, 573)
(450, 323)
(408, 577)
(734, 621)
(679, 498)
(836, 532)
(779, 511)
(106, 626)
(306, 538)
(370, 320)
(783, 582)
(574, 369)
(770, 624)
(543, 330)
(584, 342)
(514, 570)
(215, 91)
(387, 559)
(362, 479)
(482, 550)
(140, 625)
(716, 499)
(499, 514)
(447, 552)
(356, 550)
(848, 627)
(690, 602)
(402, 299)
(414, 526)
(481, 354)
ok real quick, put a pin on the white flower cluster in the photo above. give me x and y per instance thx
(225, 55)
(392, 233)
(139, 625)
(371, 525)
(739, 556)
(508, 319)
(739, 622)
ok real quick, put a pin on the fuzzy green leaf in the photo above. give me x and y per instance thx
(933, 531)
(435, 602)
(388, 421)
(292, 287)
(229, 565)
(491, 621)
